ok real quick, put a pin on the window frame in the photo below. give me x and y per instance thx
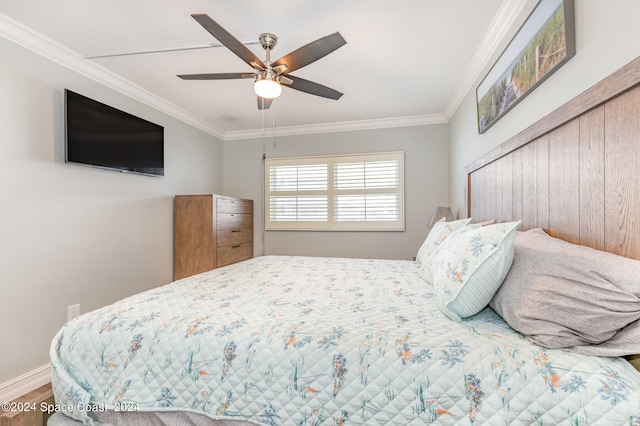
(331, 224)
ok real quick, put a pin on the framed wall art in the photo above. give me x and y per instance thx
(543, 44)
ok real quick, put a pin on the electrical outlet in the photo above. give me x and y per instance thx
(73, 311)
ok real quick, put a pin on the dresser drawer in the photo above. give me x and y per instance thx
(234, 253)
(226, 205)
(229, 237)
(234, 220)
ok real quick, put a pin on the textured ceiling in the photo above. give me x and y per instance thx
(402, 58)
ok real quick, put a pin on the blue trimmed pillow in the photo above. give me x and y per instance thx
(438, 233)
(469, 267)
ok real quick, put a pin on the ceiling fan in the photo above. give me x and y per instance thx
(270, 76)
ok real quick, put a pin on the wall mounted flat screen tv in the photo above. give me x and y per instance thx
(103, 136)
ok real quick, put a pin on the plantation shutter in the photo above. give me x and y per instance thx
(352, 192)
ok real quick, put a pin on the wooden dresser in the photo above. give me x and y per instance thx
(210, 231)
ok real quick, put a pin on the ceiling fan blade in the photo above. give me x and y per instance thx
(218, 76)
(313, 88)
(228, 40)
(264, 103)
(285, 80)
(310, 52)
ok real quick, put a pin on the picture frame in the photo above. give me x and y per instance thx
(544, 43)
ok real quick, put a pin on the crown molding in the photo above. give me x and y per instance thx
(343, 126)
(36, 42)
(52, 50)
(508, 14)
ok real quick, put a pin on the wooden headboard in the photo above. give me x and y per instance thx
(575, 173)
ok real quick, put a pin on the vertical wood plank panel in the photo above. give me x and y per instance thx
(467, 199)
(517, 186)
(499, 190)
(529, 195)
(592, 179)
(622, 182)
(478, 195)
(490, 201)
(507, 187)
(542, 164)
(564, 174)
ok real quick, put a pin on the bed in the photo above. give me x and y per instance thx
(286, 340)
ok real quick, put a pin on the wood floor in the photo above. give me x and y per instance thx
(33, 415)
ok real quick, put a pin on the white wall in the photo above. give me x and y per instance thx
(73, 234)
(607, 34)
(426, 186)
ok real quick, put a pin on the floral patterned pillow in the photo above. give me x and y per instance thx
(469, 267)
(438, 233)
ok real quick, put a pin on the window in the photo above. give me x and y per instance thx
(349, 192)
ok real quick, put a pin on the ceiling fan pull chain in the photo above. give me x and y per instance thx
(273, 122)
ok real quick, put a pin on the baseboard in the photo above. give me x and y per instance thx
(25, 383)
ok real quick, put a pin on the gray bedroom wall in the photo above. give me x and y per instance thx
(426, 187)
(606, 33)
(73, 234)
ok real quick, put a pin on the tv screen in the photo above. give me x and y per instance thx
(103, 136)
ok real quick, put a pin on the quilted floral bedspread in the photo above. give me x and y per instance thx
(280, 340)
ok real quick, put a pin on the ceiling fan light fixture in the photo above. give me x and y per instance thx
(268, 89)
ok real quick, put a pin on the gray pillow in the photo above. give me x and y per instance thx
(562, 295)
(625, 342)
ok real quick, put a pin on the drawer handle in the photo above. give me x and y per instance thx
(235, 230)
(236, 246)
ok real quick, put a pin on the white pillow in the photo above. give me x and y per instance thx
(438, 233)
(469, 267)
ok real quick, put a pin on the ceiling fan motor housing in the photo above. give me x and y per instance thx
(268, 41)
